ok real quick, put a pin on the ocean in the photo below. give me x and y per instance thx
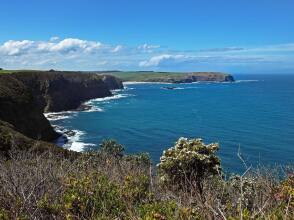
(253, 116)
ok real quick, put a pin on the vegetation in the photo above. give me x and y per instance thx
(150, 76)
(3, 71)
(145, 76)
(107, 184)
(189, 160)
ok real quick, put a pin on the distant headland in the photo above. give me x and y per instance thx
(171, 77)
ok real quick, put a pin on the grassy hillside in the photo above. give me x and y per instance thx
(150, 76)
(17, 71)
(141, 76)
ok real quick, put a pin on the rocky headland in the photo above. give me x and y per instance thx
(25, 96)
(172, 77)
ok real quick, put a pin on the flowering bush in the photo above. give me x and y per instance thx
(189, 160)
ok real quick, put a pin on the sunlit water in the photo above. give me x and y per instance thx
(255, 114)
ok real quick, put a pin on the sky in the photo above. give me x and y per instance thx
(236, 36)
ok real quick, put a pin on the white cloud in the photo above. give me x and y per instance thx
(79, 54)
(69, 45)
(148, 48)
(55, 38)
(169, 60)
(164, 58)
(14, 48)
(117, 49)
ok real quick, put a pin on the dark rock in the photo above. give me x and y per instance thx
(12, 140)
(19, 107)
(112, 82)
(24, 96)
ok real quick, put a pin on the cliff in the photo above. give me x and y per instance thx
(172, 77)
(61, 91)
(204, 77)
(25, 96)
(12, 140)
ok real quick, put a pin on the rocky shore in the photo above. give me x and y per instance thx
(25, 96)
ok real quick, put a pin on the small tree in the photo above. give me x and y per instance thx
(189, 160)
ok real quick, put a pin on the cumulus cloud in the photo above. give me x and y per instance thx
(79, 54)
(69, 45)
(164, 59)
(14, 48)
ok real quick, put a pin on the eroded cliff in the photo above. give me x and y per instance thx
(25, 96)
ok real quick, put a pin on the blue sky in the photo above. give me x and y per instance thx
(239, 36)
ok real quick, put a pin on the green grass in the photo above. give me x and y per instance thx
(141, 76)
(146, 76)
(6, 71)
(15, 71)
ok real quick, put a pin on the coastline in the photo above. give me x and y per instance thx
(137, 82)
(70, 138)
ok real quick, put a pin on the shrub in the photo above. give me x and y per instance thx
(189, 161)
(285, 194)
(95, 185)
(112, 148)
(161, 210)
(3, 214)
(136, 188)
(92, 196)
(139, 159)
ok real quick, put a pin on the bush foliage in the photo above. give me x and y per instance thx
(189, 161)
(110, 185)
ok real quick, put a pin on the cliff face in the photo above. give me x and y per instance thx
(25, 96)
(112, 82)
(173, 77)
(11, 140)
(60, 91)
(20, 108)
(205, 77)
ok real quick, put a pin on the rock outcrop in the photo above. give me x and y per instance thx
(25, 96)
(21, 109)
(195, 77)
(112, 82)
(205, 77)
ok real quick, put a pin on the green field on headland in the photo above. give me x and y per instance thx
(171, 77)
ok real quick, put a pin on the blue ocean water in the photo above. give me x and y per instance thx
(255, 114)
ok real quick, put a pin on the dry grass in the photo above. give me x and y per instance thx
(102, 185)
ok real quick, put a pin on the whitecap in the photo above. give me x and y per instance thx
(132, 83)
(80, 146)
(94, 109)
(55, 116)
(71, 139)
(116, 96)
(74, 142)
(246, 80)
